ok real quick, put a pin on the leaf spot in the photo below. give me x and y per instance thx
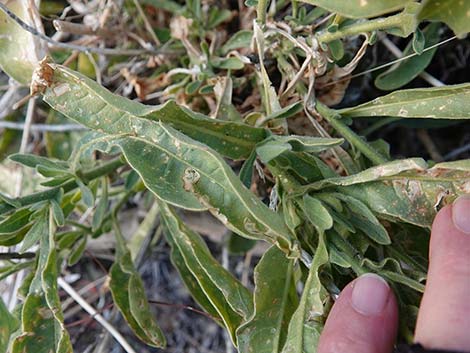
(191, 176)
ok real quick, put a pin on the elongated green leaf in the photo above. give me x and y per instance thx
(363, 219)
(275, 146)
(15, 222)
(306, 323)
(448, 102)
(316, 213)
(176, 168)
(455, 13)
(228, 296)
(8, 324)
(406, 190)
(360, 8)
(190, 281)
(128, 294)
(33, 161)
(308, 143)
(84, 97)
(407, 70)
(37, 231)
(42, 327)
(19, 55)
(241, 39)
(275, 301)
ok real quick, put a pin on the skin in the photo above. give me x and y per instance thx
(444, 316)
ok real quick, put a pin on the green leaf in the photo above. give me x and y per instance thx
(455, 13)
(307, 322)
(176, 168)
(406, 190)
(316, 213)
(276, 145)
(448, 102)
(15, 222)
(19, 55)
(129, 296)
(77, 251)
(226, 294)
(232, 63)
(407, 70)
(42, 327)
(241, 39)
(8, 324)
(362, 218)
(275, 302)
(360, 8)
(308, 143)
(85, 98)
(286, 112)
(37, 232)
(101, 207)
(33, 161)
(272, 149)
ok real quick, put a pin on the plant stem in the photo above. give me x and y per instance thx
(361, 27)
(332, 117)
(94, 173)
(17, 256)
(262, 10)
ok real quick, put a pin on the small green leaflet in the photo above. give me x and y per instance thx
(407, 70)
(448, 102)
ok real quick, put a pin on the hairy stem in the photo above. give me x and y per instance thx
(361, 27)
(334, 120)
(262, 10)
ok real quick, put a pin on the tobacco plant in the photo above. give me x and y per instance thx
(287, 169)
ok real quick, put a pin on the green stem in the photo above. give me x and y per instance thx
(334, 120)
(295, 8)
(262, 10)
(362, 27)
(92, 174)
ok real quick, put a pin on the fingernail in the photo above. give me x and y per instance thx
(461, 213)
(370, 294)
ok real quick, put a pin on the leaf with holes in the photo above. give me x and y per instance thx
(176, 168)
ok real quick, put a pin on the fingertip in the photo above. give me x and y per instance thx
(363, 320)
(444, 316)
